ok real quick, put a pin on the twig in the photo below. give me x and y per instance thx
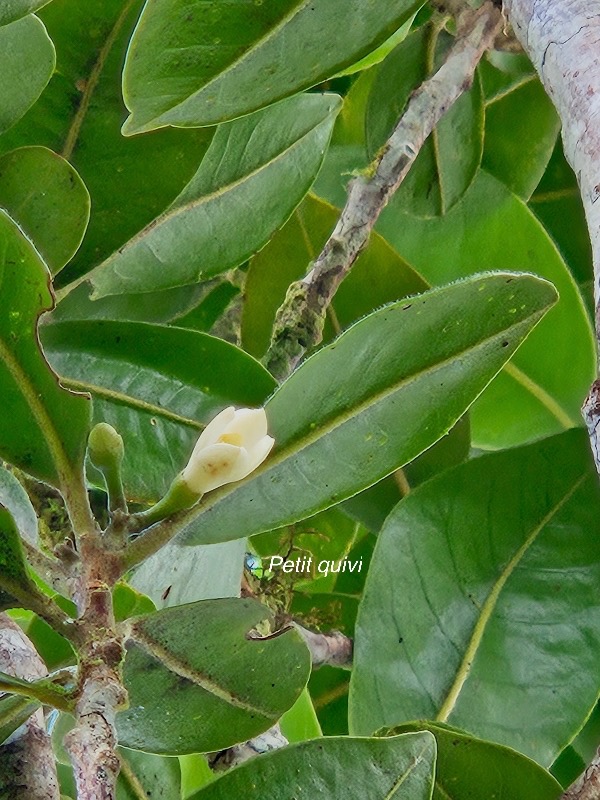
(299, 321)
(270, 740)
(27, 765)
(332, 649)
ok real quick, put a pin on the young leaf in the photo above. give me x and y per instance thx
(79, 115)
(43, 429)
(27, 60)
(498, 566)
(382, 393)
(467, 768)
(198, 63)
(157, 386)
(540, 392)
(12, 10)
(450, 158)
(198, 682)
(47, 198)
(399, 768)
(264, 163)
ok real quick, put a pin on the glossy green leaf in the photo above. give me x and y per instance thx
(12, 10)
(448, 161)
(499, 570)
(335, 421)
(46, 197)
(15, 499)
(401, 768)
(542, 389)
(14, 711)
(79, 115)
(198, 683)
(300, 722)
(265, 162)
(27, 60)
(381, 52)
(128, 602)
(527, 116)
(155, 776)
(197, 63)
(379, 275)
(43, 428)
(157, 386)
(14, 578)
(470, 769)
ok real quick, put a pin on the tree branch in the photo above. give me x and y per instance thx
(299, 322)
(27, 765)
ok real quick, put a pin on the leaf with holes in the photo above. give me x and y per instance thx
(202, 63)
(398, 768)
(43, 427)
(157, 386)
(46, 197)
(500, 575)
(27, 60)
(198, 682)
(383, 392)
(261, 166)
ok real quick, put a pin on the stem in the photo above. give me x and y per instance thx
(299, 323)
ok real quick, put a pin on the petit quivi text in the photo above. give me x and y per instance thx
(305, 565)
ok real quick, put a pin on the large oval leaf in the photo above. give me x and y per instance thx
(264, 163)
(383, 392)
(201, 63)
(45, 195)
(198, 682)
(43, 427)
(541, 391)
(157, 386)
(449, 159)
(11, 10)
(500, 575)
(399, 768)
(79, 115)
(469, 768)
(27, 60)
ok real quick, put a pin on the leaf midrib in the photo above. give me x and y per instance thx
(183, 670)
(488, 607)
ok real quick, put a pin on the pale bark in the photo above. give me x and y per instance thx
(27, 765)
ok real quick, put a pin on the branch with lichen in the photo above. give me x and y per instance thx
(299, 322)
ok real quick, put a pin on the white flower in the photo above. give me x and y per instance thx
(229, 448)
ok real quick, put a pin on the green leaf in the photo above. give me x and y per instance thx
(469, 768)
(540, 392)
(127, 602)
(79, 115)
(527, 116)
(46, 197)
(300, 722)
(498, 567)
(383, 392)
(378, 276)
(266, 163)
(14, 711)
(401, 767)
(15, 582)
(198, 683)
(381, 52)
(27, 61)
(43, 428)
(157, 386)
(144, 775)
(12, 10)
(448, 161)
(198, 63)
(16, 500)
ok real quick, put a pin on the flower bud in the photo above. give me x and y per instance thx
(105, 446)
(232, 446)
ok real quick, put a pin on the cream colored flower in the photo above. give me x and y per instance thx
(230, 447)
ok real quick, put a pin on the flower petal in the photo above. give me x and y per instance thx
(215, 428)
(250, 424)
(213, 466)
